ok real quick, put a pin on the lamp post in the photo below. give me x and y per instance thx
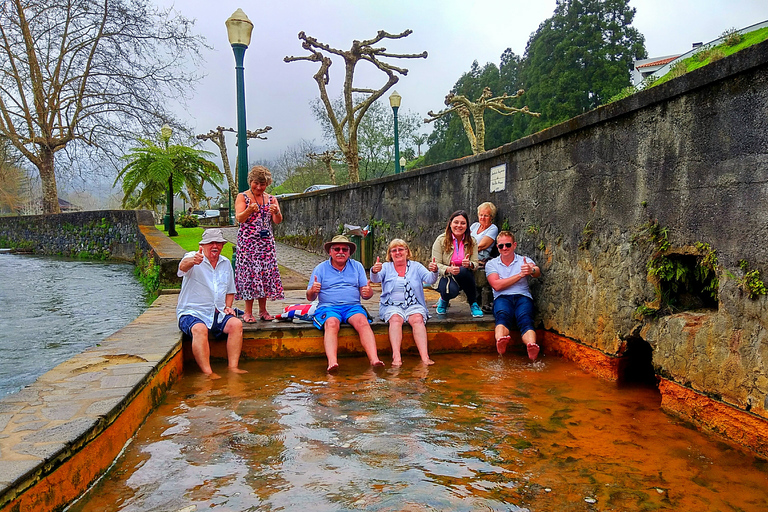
(402, 163)
(170, 223)
(394, 101)
(239, 29)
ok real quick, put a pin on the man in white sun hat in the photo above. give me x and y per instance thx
(205, 302)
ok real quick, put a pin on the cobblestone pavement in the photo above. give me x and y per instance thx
(295, 259)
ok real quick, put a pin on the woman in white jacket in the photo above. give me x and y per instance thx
(402, 297)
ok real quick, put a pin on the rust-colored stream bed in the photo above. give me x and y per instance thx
(473, 432)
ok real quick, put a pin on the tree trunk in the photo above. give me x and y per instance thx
(353, 159)
(48, 179)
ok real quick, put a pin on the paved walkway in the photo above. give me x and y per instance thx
(295, 259)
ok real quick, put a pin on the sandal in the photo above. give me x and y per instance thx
(249, 319)
(533, 351)
(501, 344)
(266, 317)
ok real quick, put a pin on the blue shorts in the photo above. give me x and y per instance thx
(341, 311)
(186, 322)
(511, 310)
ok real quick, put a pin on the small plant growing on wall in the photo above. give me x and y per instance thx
(750, 283)
(685, 279)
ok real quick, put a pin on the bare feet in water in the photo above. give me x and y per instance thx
(533, 351)
(237, 370)
(501, 344)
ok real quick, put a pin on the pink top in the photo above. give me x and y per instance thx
(458, 252)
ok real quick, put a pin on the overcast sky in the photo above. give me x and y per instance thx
(453, 32)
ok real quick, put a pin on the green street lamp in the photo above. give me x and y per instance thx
(394, 101)
(170, 223)
(239, 29)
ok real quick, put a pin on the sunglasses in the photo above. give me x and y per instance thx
(505, 246)
(340, 249)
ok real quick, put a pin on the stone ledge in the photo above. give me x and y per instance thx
(731, 424)
(62, 432)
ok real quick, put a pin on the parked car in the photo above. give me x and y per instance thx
(205, 214)
(315, 188)
(287, 194)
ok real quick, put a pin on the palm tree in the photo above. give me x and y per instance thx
(156, 168)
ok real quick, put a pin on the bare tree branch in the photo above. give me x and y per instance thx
(474, 112)
(345, 128)
(217, 137)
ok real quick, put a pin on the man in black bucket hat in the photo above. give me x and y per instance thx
(339, 283)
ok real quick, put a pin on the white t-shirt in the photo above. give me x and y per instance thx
(492, 231)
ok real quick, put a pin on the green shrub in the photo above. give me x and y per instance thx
(732, 37)
(188, 221)
(148, 272)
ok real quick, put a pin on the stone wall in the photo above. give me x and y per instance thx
(107, 234)
(691, 154)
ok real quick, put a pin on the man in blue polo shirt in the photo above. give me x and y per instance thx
(512, 302)
(339, 283)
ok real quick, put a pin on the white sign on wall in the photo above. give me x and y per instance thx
(498, 178)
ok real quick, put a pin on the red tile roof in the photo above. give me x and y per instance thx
(658, 62)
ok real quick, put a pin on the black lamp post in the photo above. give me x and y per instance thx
(394, 101)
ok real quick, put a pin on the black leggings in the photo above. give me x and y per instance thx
(450, 286)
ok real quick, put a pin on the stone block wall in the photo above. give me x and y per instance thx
(690, 155)
(106, 234)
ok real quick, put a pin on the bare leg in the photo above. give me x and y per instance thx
(263, 307)
(331, 341)
(529, 338)
(367, 339)
(248, 315)
(396, 338)
(201, 350)
(420, 337)
(234, 332)
(501, 333)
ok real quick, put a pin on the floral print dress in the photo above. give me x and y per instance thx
(256, 273)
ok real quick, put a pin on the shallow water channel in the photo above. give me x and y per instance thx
(54, 308)
(473, 432)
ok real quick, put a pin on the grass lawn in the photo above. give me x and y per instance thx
(189, 239)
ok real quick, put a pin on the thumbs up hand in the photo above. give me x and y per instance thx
(376, 268)
(316, 286)
(432, 266)
(465, 262)
(273, 207)
(366, 292)
(526, 268)
(198, 257)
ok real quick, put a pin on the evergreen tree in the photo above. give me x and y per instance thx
(577, 60)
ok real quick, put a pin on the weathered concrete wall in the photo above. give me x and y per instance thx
(691, 154)
(94, 234)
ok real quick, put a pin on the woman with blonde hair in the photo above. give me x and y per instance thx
(256, 274)
(402, 297)
(455, 252)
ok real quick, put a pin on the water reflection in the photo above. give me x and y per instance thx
(473, 432)
(52, 309)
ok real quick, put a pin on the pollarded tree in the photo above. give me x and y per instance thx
(327, 157)
(157, 168)
(345, 127)
(217, 137)
(88, 73)
(472, 113)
